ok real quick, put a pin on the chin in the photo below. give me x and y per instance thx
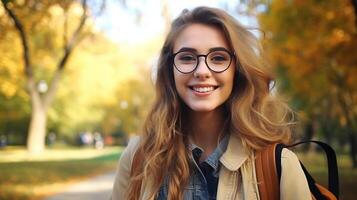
(202, 108)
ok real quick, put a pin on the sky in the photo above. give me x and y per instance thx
(125, 25)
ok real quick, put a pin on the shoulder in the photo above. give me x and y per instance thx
(127, 155)
(293, 183)
(289, 157)
(132, 146)
(290, 164)
(124, 168)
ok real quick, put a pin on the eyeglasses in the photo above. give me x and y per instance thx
(217, 60)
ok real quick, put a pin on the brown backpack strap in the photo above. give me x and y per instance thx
(267, 175)
(268, 171)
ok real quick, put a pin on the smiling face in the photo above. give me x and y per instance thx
(203, 90)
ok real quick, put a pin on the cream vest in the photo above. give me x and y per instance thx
(237, 178)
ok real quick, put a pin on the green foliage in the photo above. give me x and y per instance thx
(311, 45)
(14, 101)
(127, 114)
(99, 75)
(43, 26)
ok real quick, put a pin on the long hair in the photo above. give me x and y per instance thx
(258, 117)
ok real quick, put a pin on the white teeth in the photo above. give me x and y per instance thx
(203, 89)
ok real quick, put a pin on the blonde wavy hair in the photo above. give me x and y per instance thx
(257, 116)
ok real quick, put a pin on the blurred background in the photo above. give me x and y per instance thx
(76, 81)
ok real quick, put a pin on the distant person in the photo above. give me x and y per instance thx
(98, 141)
(51, 139)
(3, 142)
(212, 111)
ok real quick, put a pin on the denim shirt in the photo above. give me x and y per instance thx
(203, 181)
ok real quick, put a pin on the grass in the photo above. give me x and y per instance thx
(317, 166)
(28, 177)
(16, 154)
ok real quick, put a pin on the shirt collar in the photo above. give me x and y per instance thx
(235, 154)
(212, 159)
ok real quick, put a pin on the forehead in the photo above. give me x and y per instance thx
(200, 37)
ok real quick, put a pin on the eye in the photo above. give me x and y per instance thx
(218, 58)
(186, 57)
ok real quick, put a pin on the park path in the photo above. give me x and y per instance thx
(96, 188)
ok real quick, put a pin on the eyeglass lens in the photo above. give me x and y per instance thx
(217, 61)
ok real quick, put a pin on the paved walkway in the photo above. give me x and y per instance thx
(96, 188)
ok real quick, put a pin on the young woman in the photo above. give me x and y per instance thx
(213, 111)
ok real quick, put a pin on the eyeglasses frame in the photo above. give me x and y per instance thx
(232, 56)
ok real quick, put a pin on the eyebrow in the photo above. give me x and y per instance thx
(195, 50)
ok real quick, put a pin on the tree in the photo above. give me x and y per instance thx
(311, 44)
(40, 12)
(97, 70)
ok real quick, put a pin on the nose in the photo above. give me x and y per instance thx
(202, 71)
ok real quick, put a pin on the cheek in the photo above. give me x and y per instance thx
(179, 82)
(229, 79)
(176, 79)
(229, 83)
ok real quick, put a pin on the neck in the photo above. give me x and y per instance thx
(206, 128)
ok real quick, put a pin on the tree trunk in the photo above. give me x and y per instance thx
(353, 149)
(308, 135)
(37, 130)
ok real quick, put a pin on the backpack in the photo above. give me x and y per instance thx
(268, 171)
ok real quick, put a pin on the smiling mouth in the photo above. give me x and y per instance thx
(204, 89)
